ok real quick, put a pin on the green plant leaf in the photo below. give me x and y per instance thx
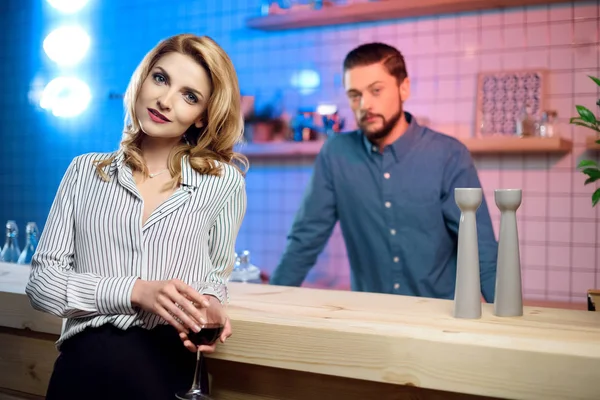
(595, 197)
(586, 125)
(595, 79)
(579, 121)
(587, 163)
(593, 174)
(586, 114)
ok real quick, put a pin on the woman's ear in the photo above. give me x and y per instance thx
(199, 123)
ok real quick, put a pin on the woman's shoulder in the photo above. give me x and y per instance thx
(86, 163)
(230, 172)
(223, 175)
(91, 158)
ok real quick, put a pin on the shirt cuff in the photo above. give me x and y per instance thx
(113, 295)
(221, 295)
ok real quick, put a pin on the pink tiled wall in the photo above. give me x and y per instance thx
(559, 230)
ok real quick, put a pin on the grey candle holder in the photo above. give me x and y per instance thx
(508, 301)
(467, 295)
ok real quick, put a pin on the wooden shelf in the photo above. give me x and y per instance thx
(280, 149)
(590, 143)
(517, 145)
(377, 11)
(490, 145)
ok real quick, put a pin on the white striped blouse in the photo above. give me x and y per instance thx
(94, 247)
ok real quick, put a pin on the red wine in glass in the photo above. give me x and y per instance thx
(208, 334)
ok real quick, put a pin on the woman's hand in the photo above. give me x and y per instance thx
(219, 314)
(175, 301)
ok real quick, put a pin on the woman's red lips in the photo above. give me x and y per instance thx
(157, 117)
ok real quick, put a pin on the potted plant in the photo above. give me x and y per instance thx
(590, 168)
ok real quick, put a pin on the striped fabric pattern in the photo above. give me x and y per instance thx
(94, 247)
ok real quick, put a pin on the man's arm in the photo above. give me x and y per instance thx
(461, 173)
(312, 226)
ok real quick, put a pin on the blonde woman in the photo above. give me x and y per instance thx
(130, 231)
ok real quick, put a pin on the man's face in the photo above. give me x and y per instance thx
(376, 98)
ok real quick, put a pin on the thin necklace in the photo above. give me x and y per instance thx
(158, 173)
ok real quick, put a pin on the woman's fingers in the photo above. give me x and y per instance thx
(208, 349)
(226, 331)
(187, 343)
(192, 347)
(189, 308)
(188, 299)
(191, 294)
(168, 304)
(170, 319)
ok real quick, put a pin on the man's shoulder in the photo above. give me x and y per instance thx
(342, 142)
(443, 142)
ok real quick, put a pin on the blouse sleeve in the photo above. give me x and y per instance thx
(222, 238)
(54, 284)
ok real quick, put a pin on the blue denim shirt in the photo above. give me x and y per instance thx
(397, 214)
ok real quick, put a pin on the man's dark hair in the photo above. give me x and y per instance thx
(373, 53)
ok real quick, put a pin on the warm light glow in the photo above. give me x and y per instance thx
(67, 45)
(66, 97)
(306, 80)
(68, 6)
(326, 109)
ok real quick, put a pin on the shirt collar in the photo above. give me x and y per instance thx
(189, 176)
(402, 143)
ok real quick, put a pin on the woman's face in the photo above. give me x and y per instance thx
(173, 97)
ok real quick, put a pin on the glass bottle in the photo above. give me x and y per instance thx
(10, 252)
(251, 272)
(525, 123)
(31, 243)
(548, 126)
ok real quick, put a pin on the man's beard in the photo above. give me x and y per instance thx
(385, 129)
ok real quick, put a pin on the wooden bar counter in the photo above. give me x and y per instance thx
(297, 343)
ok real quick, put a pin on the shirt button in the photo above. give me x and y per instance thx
(386, 175)
(396, 259)
(388, 204)
(396, 286)
(374, 148)
(393, 231)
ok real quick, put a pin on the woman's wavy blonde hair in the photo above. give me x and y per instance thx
(223, 122)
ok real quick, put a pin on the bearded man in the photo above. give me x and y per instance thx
(391, 185)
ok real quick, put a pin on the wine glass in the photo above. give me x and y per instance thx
(209, 333)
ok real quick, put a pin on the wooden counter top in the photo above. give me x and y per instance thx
(546, 354)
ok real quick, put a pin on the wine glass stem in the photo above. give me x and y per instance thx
(198, 372)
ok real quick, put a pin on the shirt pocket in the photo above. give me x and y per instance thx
(420, 209)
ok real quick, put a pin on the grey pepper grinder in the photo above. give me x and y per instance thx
(508, 301)
(467, 296)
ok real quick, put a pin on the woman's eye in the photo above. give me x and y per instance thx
(191, 97)
(159, 78)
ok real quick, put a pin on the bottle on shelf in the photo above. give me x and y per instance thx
(244, 271)
(548, 125)
(525, 123)
(10, 252)
(31, 243)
